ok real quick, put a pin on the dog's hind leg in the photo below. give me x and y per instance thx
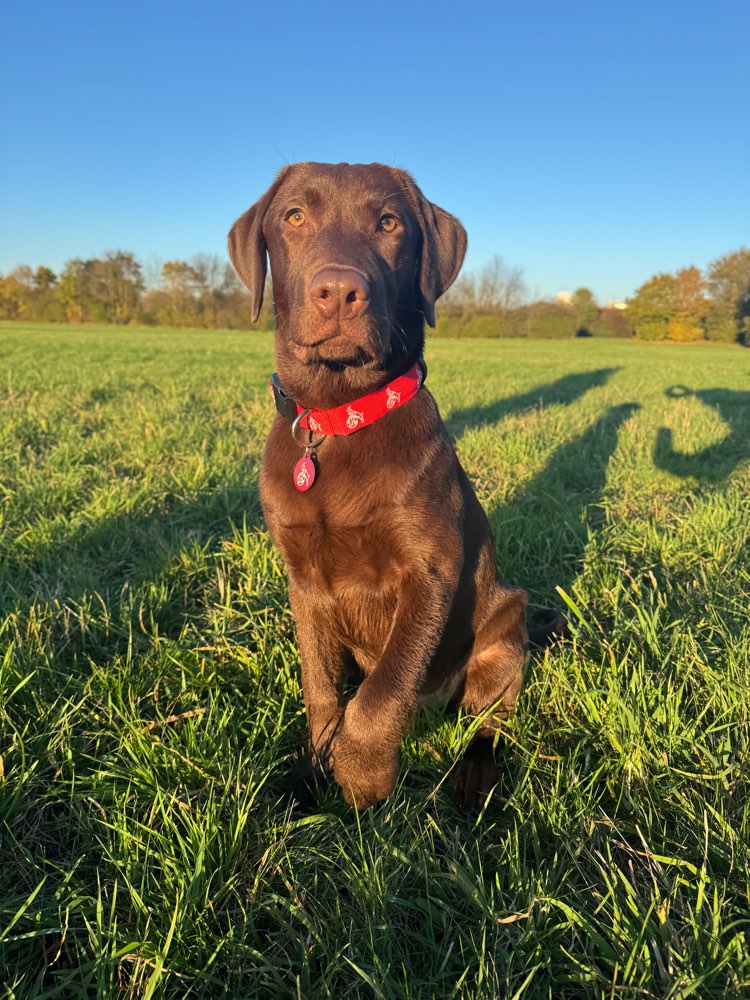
(493, 679)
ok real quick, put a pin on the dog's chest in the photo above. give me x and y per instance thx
(343, 532)
(336, 554)
(350, 574)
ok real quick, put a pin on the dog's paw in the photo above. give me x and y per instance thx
(363, 791)
(476, 776)
(365, 776)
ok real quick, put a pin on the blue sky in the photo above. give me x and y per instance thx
(587, 143)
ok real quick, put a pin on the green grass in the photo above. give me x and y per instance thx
(150, 702)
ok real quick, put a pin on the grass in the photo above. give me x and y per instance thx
(150, 702)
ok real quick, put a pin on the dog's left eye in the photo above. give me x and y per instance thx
(296, 218)
(388, 223)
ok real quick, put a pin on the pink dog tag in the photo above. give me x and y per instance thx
(305, 472)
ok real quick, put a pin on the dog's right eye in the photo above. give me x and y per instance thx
(296, 218)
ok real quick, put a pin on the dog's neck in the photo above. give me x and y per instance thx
(321, 385)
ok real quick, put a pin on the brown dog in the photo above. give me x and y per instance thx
(390, 558)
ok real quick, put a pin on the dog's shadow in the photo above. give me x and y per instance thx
(716, 462)
(542, 530)
(562, 391)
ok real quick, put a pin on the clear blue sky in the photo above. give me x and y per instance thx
(588, 143)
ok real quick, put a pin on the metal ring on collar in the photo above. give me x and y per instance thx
(295, 425)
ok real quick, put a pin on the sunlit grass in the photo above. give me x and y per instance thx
(150, 702)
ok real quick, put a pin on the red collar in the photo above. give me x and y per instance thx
(352, 416)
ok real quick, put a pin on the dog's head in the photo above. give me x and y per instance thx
(358, 259)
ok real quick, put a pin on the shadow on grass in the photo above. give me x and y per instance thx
(149, 560)
(716, 462)
(545, 527)
(127, 548)
(562, 391)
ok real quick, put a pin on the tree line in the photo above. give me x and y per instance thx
(685, 306)
(689, 306)
(491, 302)
(201, 292)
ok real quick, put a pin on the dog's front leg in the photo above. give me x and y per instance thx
(366, 747)
(323, 667)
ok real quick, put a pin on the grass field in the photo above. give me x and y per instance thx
(150, 702)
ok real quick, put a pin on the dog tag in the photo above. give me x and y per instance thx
(305, 472)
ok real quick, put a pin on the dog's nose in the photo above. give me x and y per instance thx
(345, 294)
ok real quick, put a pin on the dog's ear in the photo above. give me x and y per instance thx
(443, 249)
(247, 245)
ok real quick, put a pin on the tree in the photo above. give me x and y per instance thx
(728, 283)
(494, 287)
(116, 284)
(690, 306)
(586, 310)
(175, 301)
(499, 286)
(652, 307)
(210, 274)
(45, 305)
(71, 290)
(13, 297)
(550, 320)
(233, 304)
(613, 323)
(461, 297)
(104, 289)
(44, 279)
(202, 292)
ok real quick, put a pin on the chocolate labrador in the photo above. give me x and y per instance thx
(390, 557)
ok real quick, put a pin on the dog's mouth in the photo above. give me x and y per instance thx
(336, 351)
(336, 345)
(305, 350)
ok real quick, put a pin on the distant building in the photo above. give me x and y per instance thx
(566, 298)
